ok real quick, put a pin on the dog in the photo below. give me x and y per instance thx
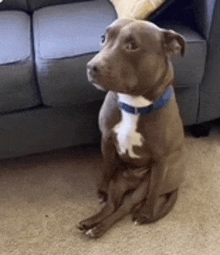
(142, 131)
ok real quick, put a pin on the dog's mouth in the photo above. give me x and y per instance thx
(96, 83)
(95, 80)
(108, 83)
(99, 87)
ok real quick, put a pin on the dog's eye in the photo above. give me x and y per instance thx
(102, 39)
(131, 44)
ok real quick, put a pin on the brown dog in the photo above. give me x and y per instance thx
(142, 131)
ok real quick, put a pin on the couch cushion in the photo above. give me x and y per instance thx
(66, 37)
(14, 5)
(17, 82)
(36, 4)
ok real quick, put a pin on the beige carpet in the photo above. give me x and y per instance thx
(43, 197)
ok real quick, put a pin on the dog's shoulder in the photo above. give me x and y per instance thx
(109, 114)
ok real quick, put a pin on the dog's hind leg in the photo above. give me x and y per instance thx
(163, 206)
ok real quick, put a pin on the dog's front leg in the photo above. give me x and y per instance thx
(109, 157)
(158, 171)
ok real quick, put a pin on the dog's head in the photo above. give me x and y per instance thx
(135, 58)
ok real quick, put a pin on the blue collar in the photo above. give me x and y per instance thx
(159, 104)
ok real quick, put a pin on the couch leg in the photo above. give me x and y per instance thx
(200, 130)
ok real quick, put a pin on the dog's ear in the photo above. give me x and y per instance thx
(173, 43)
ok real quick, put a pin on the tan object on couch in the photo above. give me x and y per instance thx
(138, 9)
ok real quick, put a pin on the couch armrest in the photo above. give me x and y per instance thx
(203, 15)
(196, 14)
(209, 108)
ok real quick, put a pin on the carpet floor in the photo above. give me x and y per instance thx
(43, 197)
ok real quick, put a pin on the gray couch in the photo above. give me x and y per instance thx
(46, 101)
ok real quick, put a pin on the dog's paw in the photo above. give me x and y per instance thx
(85, 225)
(81, 226)
(142, 216)
(142, 219)
(96, 231)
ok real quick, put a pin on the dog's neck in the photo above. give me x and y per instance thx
(134, 101)
(139, 105)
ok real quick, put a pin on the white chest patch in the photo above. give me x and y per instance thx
(126, 130)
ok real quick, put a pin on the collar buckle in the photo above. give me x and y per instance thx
(136, 112)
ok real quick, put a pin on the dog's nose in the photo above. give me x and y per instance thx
(92, 68)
